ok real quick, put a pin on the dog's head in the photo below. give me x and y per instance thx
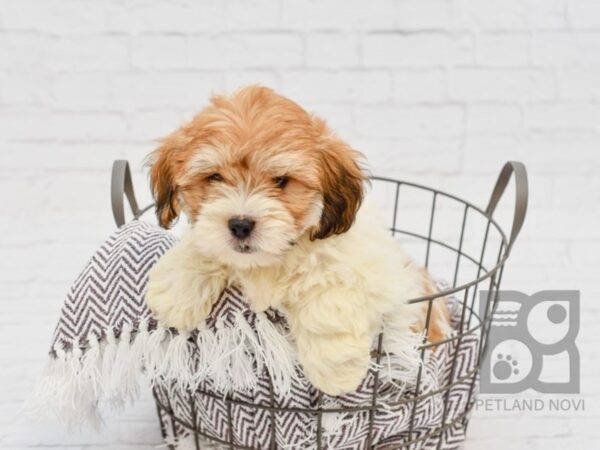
(254, 172)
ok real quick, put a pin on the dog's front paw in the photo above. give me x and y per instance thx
(179, 296)
(334, 364)
(175, 304)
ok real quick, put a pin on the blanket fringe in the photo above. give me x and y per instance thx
(108, 371)
(230, 358)
(401, 361)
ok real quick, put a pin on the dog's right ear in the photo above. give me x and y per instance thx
(342, 187)
(162, 182)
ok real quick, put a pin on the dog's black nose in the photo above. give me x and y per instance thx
(241, 228)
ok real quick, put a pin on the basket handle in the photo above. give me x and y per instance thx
(120, 187)
(521, 198)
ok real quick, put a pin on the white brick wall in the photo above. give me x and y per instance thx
(439, 91)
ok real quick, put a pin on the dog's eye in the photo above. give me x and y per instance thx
(215, 177)
(280, 182)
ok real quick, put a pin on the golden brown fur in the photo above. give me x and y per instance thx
(249, 129)
(438, 316)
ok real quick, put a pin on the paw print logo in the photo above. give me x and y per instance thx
(505, 367)
(510, 363)
(527, 331)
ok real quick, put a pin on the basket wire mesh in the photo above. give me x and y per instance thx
(475, 311)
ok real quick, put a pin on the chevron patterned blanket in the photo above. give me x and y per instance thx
(106, 341)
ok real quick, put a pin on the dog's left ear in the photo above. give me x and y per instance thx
(163, 164)
(341, 185)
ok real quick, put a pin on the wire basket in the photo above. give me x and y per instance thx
(457, 241)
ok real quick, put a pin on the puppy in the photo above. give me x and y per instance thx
(273, 197)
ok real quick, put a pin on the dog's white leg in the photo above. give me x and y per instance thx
(333, 339)
(183, 286)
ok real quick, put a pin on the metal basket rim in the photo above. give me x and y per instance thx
(491, 221)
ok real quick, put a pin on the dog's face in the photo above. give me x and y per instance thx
(254, 172)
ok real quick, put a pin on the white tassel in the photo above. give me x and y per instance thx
(91, 364)
(154, 352)
(218, 367)
(138, 346)
(402, 357)
(60, 392)
(243, 376)
(176, 365)
(206, 350)
(124, 384)
(228, 356)
(253, 345)
(108, 358)
(70, 384)
(278, 355)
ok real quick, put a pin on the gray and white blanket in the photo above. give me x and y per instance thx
(106, 340)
